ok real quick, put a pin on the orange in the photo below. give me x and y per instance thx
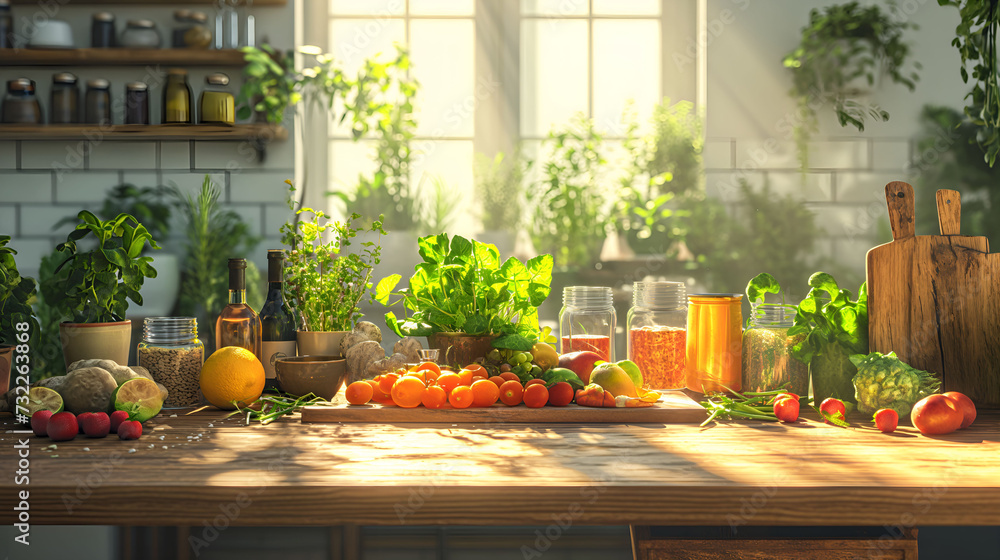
(461, 397)
(511, 393)
(434, 397)
(535, 396)
(418, 374)
(378, 395)
(387, 381)
(430, 366)
(497, 380)
(465, 377)
(449, 381)
(407, 391)
(477, 369)
(485, 393)
(232, 375)
(359, 392)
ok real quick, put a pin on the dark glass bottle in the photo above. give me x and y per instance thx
(136, 103)
(277, 320)
(97, 107)
(238, 324)
(102, 30)
(65, 99)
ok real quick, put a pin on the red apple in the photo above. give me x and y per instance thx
(965, 405)
(580, 363)
(937, 415)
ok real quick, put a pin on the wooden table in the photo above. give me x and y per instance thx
(188, 470)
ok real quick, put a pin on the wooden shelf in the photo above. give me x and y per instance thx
(123, 57)
(151, 2)
(126, 132)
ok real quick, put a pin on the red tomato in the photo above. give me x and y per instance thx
(560, 394)
(833, 407)
(535, 396)
(886, 420)
(786, 409)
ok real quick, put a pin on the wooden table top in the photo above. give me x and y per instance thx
(191, 469)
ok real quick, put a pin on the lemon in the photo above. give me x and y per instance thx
(231, 376)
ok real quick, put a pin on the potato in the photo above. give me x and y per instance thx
(88, 389)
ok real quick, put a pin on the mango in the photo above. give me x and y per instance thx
(614, 380)
(633, 371)
(544, 355)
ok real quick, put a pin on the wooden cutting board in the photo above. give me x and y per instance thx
(934, 299)
(675, 407)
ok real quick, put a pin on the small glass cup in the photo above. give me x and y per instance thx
(429, 354)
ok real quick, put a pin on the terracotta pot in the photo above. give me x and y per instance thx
(6, 357)
(460, 349)
(103, 341)
(320, 343)
(301, 375)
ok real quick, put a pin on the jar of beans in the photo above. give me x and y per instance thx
(657, 333)
(172, 353)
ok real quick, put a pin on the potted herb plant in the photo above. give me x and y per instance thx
(99, 285)
(17, 322)
(845, 50)
(325, 281)
(466, 301)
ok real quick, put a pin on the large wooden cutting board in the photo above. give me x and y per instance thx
(675, 407)
(934, 299)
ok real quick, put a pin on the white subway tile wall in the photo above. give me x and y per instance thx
(43, 182)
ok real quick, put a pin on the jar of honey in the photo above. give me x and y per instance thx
(657, 334)
(714, 343)
(587, 321)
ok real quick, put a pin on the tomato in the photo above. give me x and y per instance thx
(786, 409)
(535, 396)
(833, 407)
(359, 392)
(534, 382)
(886, 420)
(511, 393)
(937, 415)
(560, 394)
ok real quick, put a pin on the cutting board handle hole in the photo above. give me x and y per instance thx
(901, 195)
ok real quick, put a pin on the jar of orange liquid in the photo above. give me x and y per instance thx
(587, 321)
(714, 343)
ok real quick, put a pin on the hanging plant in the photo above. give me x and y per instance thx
(976, 40)
(845, 50)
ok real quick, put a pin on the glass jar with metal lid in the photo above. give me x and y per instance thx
(6, 26)
(177, 98)
(65, 99)
(767, 351)
(20, 104)
(172, 353)
(136, 103)
(587, 321)
(97, 105)
(102, 30)
(141, 34)
(657, 333)
(190, 30)
(217, 104)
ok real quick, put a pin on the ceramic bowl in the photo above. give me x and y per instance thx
(52, 33)
(301, 375)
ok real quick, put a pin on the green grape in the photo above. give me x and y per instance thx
(536, 371)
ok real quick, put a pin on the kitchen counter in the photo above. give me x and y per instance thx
(191, 469)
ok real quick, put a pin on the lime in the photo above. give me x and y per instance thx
(633, 371)
(140, 397)
(43, 398)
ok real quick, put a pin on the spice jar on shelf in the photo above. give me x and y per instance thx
(20, 104)
(217, 104)
(190, 30)
(97, 106)
(65, 99)
(767, 351)
(102, 30)
(587, 321)
(714, 343)
(657, 333)
(136, 103)
(177, 98)
(172, 353)
(141, 34)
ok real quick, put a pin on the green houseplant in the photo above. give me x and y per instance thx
(466, 301)
(499, 188)
(99, 284)
(845, 49)
(213, 235)
(324, 280)
(18, 324)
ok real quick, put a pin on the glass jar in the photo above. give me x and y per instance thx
(767, 351)
(65, 99)
(714, 343)
(657, 333)
(97, 106)
(587, 321)
(190, 30)
(141, 34)
(136, 103)
(177, 98)
(102, 30)
(6, 26)
(20, 104)
(217, 104)
(172, 353)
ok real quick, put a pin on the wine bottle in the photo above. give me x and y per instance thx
(277, 320)
(238, 324)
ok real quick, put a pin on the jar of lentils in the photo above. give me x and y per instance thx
(172, 353)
